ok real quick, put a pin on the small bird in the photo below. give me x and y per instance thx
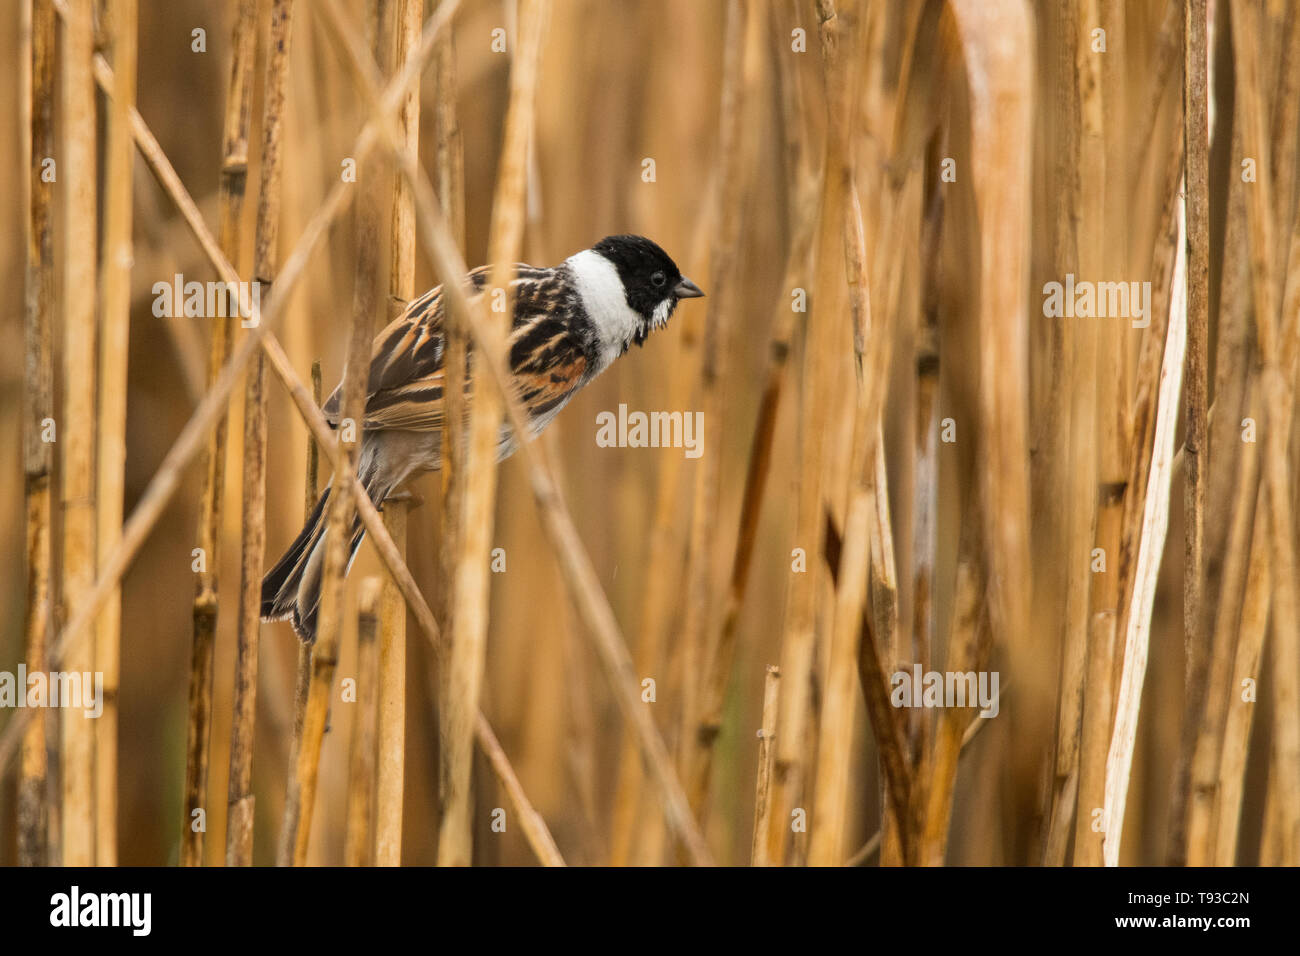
(570, 323)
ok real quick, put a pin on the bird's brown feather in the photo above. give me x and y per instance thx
(405, 387)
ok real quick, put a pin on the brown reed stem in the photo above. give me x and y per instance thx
(234, 178)
(392, 703)
(115, 305)
(766, 762)
(1202, 831)
(302, 673)
(1278, 354)
(368, 302)
(530, 821)
(358, 846)
(450, 180)
(1196, 443)
(79, 424)
(968, 647)
(708, 660)
(1062, 418)
(401, 289)
(240, 800)
(1155, 521)
(38, 390)
(1231, 772)
(469, 649)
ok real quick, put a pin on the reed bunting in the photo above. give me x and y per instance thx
(570, 323)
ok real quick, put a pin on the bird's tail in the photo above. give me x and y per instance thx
(291, 589)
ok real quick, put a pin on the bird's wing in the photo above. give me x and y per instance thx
(405, 387)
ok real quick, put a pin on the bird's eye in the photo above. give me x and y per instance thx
(658, 279)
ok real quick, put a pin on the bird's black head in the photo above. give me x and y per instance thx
(651, 280)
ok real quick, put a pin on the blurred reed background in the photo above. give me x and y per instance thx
(905, 459)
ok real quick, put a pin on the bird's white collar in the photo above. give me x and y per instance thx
(605, 299)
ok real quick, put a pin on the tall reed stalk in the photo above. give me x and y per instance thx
(240, 801)
(234, 178)
(79, 422)
(38, 454)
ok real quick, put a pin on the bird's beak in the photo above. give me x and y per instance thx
(686, 289)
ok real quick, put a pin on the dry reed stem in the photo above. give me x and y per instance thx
(999, 54)
(1196, 441)
(450, 179)
(1167, 45)
(1061, 417)
(900, 844)
(835, 740)
(368, 302)
(401, 289)
(868, 492)
(658, 606)
(532, 823)
(1230, 501)
(1281, 380)
(891, 742)
(802, 190)
(1277, 352)
(392, 703)
(1285, 120)
(897, 772)
(1230, 774)
(302, 672)
(634, 840)
(358, 846)
(395, 51)
(707, 661)
(469, 648)
(803, 187)
(925, 450)
(766, 762)
(1142, 407)
(965, 650)
(1088, 639)
(240, 798)
(1154, 525)
(115, 306)
(311, 483)
(872, 846)
(799, 634)
(79, 422)
(295, 832)
(1206, 758)
(38, 389)
(234, 178)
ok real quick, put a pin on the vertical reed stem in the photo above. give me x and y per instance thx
(78, 427)
(38, 454)
(240, 802)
